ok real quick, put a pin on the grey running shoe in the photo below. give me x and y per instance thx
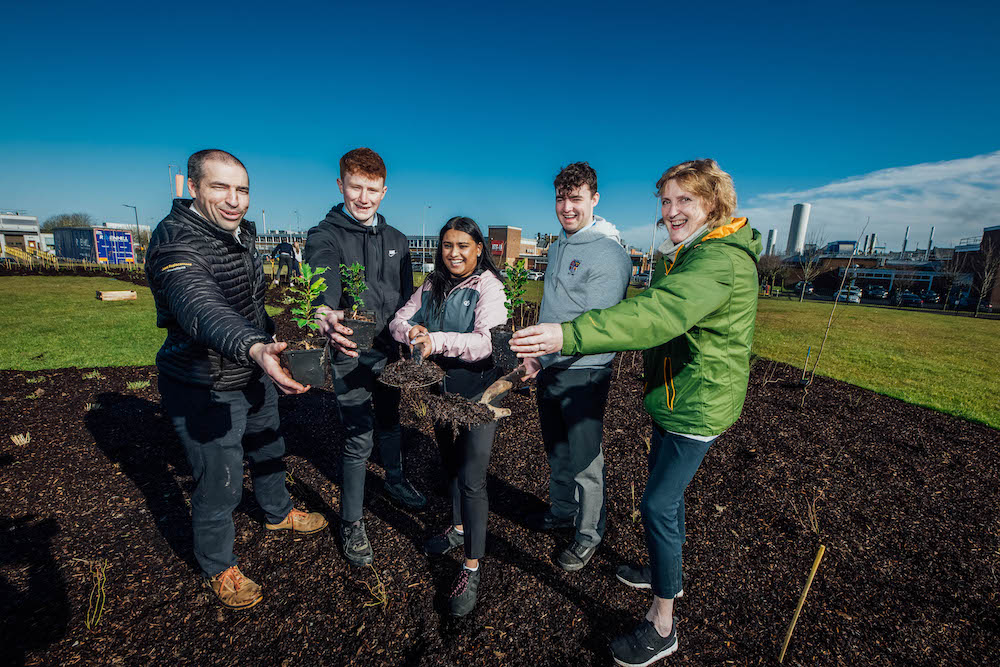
(643, 646)
(639, 577)
(575, 557)
(463, 593)
(354, 540)
(444, 542)
(404, 494)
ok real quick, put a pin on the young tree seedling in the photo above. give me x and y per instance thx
(353, 278)
(514, 287)
(304, 290)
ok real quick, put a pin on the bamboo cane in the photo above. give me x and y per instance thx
(802, 601)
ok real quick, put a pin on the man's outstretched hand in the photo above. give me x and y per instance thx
(268, 357)
(330, 326)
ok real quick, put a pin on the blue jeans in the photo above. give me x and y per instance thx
(673, 461)
(217, 429)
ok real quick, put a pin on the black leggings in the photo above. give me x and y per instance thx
(466, 459)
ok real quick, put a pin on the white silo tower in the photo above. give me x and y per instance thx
(797, 230)
(772, 242)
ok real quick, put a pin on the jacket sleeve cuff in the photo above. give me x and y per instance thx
(243, 353)
(569, 339)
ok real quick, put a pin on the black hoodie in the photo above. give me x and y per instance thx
(385, 254)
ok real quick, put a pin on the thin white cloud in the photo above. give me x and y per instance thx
(957, 197)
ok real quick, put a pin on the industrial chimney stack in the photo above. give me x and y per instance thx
(797, 230)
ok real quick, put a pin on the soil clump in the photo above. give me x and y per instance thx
(458, 410)
(406, 373)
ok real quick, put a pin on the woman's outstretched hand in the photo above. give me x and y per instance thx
(537, 340)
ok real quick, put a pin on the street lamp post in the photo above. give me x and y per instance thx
(136, 211)
(170, 179)
(423, 236)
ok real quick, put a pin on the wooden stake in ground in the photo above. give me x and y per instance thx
(802, 601)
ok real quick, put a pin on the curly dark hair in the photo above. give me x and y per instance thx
(363, 161)
(196, 163)
(576, 175)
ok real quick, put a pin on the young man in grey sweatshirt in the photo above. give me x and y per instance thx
(588, 268)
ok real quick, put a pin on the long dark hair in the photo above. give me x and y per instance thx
(440, 277)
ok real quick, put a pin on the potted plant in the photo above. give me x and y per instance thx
(362, 322)
(304, 358)
(514, 287)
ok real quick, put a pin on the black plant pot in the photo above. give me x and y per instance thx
(364, 331)
(306, 366)
(505, 359)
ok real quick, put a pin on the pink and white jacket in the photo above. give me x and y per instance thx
(462, 328)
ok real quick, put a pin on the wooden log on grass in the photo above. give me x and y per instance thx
(116, 295)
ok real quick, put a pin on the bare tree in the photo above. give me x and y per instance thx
(990, 254)
(769, 268)
(67, 220)
(810, 266)
(951, 272)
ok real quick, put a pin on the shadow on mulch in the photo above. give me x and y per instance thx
(36, 606)
(154, 466)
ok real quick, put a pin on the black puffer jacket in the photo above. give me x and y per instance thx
(209, 292)
(385, 254)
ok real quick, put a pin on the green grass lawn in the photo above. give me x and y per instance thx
(938, 361)
(941, 362)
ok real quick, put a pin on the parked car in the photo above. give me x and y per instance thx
(909, 300)
(798, 288)
(848, 295)
(969, 303)
(536, 275)
(641, 279)
(878, 292)
(929, 296)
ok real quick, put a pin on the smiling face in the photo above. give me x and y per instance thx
(460, 253)
(362, 195)
(575, 208)
(683, 212)
(223, 195)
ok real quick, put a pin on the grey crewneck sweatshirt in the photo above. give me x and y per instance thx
(587, 270)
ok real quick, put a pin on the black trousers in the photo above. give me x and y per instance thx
(217, 429)
(466, 459)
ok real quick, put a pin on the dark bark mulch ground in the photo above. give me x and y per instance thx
(905, 501)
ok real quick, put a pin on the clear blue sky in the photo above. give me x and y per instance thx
(474, 110)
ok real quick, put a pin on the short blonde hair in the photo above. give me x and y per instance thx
(706, 180)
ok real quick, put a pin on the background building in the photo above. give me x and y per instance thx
(20, 232)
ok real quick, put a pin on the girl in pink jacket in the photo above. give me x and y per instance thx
(451, 315)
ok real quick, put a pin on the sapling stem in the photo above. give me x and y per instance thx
(802, 601)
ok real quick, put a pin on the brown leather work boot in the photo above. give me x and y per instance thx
(297, 521)
(234, 590)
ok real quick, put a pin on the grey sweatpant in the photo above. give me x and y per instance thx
(571, 405)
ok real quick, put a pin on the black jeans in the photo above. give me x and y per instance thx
(571, 404)
(368, 409)
(217, 429)
(285, 262)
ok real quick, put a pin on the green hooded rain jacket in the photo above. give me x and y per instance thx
(695, 323)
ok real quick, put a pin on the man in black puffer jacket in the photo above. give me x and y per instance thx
(355, 232)
(219, 365)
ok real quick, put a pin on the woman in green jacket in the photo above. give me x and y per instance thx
(695, 323)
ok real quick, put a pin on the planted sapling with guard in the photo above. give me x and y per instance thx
(361, 321)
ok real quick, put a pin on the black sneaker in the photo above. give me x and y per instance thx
(575, 557)
(546, 522)
(643, 646)
(444, 542)
(639, 577)
(463, 593)
(404, 494)
(354, 542)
